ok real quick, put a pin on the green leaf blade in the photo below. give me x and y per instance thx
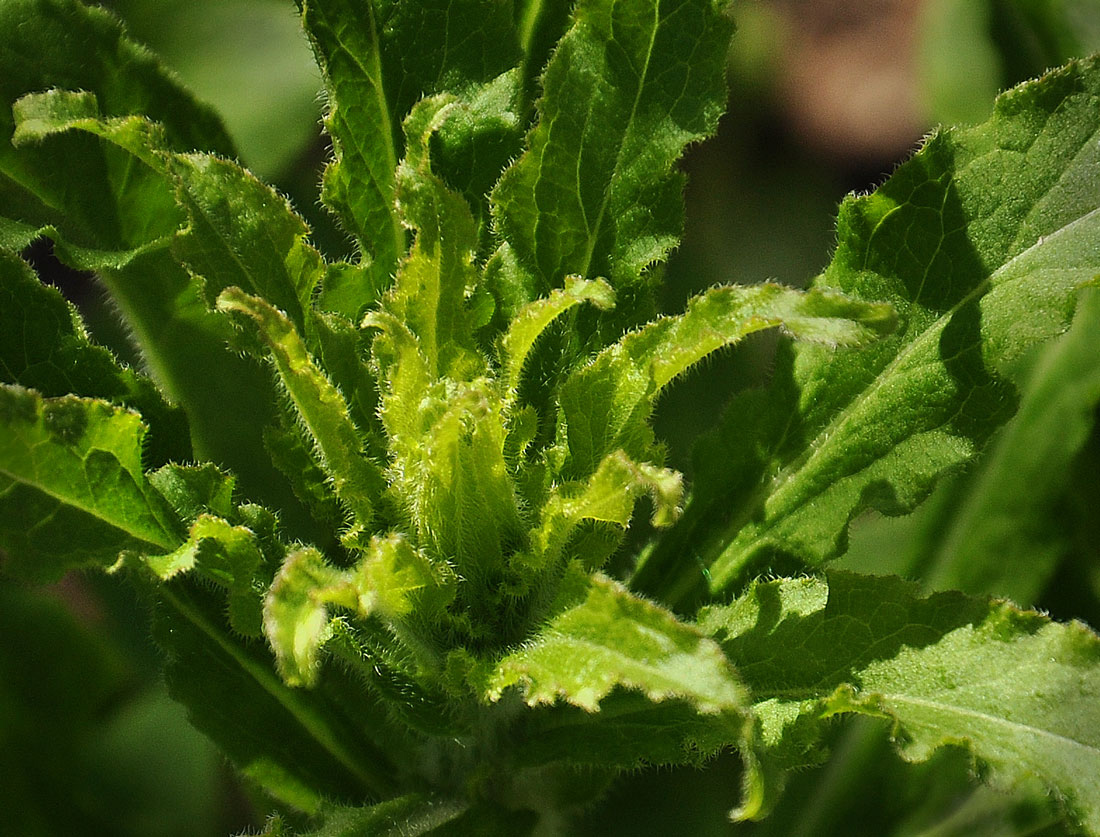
(604, 637)
(978, 274)
(595, 195)
(72, 491)
(1020, 692)
(607, 403)
(321, 406)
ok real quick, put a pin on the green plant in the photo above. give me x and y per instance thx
(378, 507)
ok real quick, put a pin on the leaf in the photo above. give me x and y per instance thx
(394, 581)
(629, 732)
(600, 637)
(132, 219)
(62, 43)
(320, 405)
(44, 347)
(595, 194)
(609, 497)
(979, 267)
(1019, 691)
(997, 529)
(531, 321)
(405, 816)
(430, 290)
(607, 403)
(458, 488)
(72, 491)
(296, 618)
(375, 70)
(301, 751)
(228, 555)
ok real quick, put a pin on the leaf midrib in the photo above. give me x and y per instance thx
(891, 698)
(298, 707)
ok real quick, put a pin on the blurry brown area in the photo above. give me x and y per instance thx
(848, 75)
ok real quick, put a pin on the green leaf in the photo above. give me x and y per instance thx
(997, 529)
(531, 321)
(376, 69)
(44, 347)
(296, 618)
(406, 816)
(302, 751)
(72, 491)
(981, 242)
(595, 194)
(241, 232)
(600, 637)
(457, 485)
(133, 221)
(320, 405)
(228, 555)
(629, 732)
(607, 403)
(1019, 691)
(430, 290)
(62, 43)
(608, 496)
(394, 581)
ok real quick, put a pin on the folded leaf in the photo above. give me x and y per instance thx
(72, 490)
(531, 320)
(608, 496)
(430, 290)
(1022, 693)
(979, 266)
(296, 618)
(320, 405)
(608, 402)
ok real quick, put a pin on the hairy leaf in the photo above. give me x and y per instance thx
(63, 43)
(607, 403)
(608, 496)
(600, 637)
(532, 320)
(303, 751)
(979, 266)
(379, 59)
(72, 491)
(998, 529)
(1019, 691)
(44, 347)
(320, 405)
(135, 221)
(628, 87)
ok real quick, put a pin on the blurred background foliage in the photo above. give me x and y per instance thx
(827, 96)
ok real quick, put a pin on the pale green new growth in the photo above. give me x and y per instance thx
(321, 407)
(382, 510)
(602, 637)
